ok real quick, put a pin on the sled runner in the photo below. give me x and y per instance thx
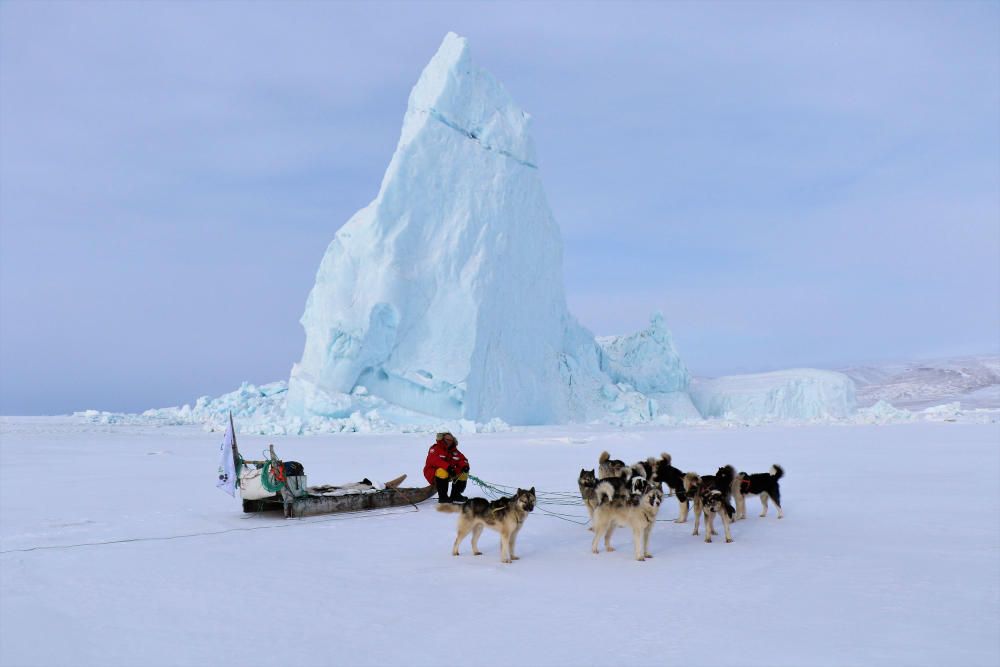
(273, 485)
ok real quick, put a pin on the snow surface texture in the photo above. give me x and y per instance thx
(901, 573)
(444, 295)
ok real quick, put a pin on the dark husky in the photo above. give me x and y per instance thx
(609, 467)
(700, 490)
(588, 483)
(763, 484)
(504, 515)
(674, 479)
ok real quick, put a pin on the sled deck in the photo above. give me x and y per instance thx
(273, 485)
(332, 499)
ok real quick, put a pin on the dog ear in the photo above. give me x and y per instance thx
(532, 490)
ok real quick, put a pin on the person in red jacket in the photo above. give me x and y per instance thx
(446, 464)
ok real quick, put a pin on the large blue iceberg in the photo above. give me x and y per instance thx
(442, 302)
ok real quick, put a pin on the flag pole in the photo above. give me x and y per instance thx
(236, 450)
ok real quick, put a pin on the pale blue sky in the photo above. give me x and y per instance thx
(790, 183)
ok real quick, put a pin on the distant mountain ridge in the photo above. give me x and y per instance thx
(973, 380)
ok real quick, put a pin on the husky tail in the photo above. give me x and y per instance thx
(777, 472)
(604, 457)
(665, 457)
(604, 492)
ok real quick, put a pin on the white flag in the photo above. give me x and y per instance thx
(227, 464)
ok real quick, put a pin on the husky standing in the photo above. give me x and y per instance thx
(588, 484)
(637, 509)
(505, 515)
(763, 484)
(609, 467)
(674, 479)
(711, 494)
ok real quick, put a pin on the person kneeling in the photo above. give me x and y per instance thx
(445, 464)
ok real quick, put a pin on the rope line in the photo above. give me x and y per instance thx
(562, 498)
(341, 516)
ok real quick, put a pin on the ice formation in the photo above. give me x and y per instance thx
(797, 394)
(441, 303)
(647, 360)
(445, 295)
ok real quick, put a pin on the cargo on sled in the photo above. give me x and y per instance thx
(273, 485)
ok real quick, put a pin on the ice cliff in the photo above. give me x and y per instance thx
(798, 394)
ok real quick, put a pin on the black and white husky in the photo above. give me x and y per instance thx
(763, 484)
(710, 495)
(674, 479)
(635, 504)
(608, 467)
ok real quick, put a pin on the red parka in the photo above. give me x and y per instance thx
(442, 456)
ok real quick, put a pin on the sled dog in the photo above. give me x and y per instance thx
(714, 502)
(645, 469)
(699, 490)
(609, 467)
(636, 511)
(674, 479)
(588, 484)
(504, 515)
(763, 484)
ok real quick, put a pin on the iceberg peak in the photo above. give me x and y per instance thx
(456, 93)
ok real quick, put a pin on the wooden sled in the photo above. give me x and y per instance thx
(312, 504)
(330, 499)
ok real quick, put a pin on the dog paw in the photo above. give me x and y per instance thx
(594, 551)
(476, 553)
(505, 561)
(708, 540)
(454, 553)
(640, 559)
(729, 540)
(649, 555)
(591, 529)
(611, 548)
(515, 558)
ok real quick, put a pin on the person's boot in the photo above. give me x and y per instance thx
(442, 487)
(456, 491)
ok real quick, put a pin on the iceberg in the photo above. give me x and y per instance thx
(803, 394)
(441, 304)
(444, 295)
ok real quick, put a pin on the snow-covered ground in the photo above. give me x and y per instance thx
(118, 550)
